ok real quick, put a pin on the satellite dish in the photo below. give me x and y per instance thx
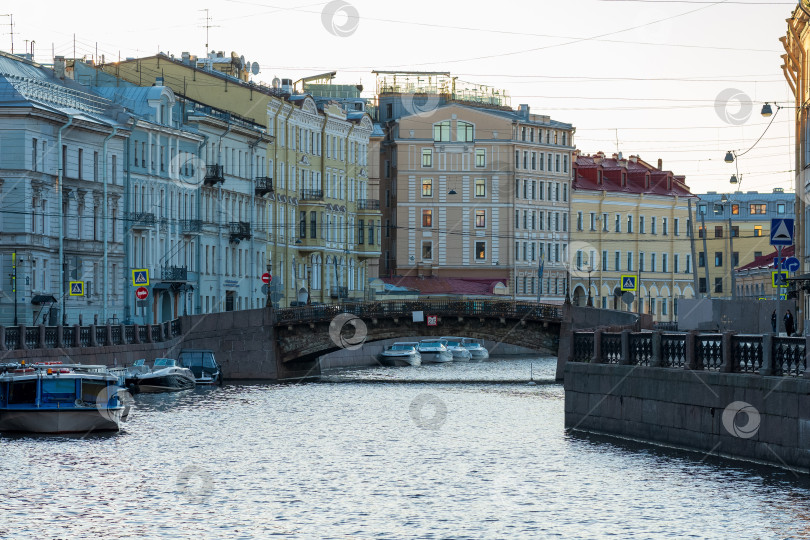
(255, 68)
(242, 60)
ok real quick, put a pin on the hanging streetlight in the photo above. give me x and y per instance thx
(733, 179)
(766, 110)
(729, 157)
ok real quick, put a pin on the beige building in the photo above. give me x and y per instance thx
(479, 193)
(630, 218)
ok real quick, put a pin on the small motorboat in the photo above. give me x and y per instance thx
(477, 351)
(202, 364)
(52, 397)
(457, 349)
(165, 376)
(401, 354)
(433, 351)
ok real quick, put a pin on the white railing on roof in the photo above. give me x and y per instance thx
(55, 94)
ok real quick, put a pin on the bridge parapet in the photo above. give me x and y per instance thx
(453, 308)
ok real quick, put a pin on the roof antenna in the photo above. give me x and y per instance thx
(617, 140)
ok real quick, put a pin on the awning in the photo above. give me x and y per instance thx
(183, 287)
(801, 277)
(43, 299)
(162, 287)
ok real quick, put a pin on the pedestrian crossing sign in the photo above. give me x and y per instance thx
(140, 277)
(779, 279)
(629, 283)
(77, 288)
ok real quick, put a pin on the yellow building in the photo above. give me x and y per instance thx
(322, 211)
(629, 218)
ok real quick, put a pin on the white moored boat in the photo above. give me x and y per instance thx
(165, 376)
(59, 398)
(477, 351)
(433, 351)
(457, 349)
(401, 354)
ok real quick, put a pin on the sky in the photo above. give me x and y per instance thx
(680, 80)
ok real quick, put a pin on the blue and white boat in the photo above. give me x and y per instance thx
(477, 351)
(59, 398)
(456, 348)
(433, 351)
(401, 354)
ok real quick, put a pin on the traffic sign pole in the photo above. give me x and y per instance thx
(779, 293)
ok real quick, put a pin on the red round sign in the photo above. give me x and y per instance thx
(266, 277)
(141, 293)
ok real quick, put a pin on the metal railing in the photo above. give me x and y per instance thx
(311, 194)
(746, 354)
(450, 308)
(190, 226)
(34, 338)
(264, 185)
(140, 219)
(174, 273)
(368, 204)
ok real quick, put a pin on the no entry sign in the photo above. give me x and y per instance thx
(266, 277)
(141, 293)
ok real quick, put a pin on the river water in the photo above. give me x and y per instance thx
(433, 452)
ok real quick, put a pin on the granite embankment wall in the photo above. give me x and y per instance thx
(743, 416)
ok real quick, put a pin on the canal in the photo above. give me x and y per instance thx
(440, 451)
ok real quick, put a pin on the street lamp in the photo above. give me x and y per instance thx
(590, 298)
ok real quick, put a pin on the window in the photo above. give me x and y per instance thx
(480, 187)
(630, 224)
(81, 163)
(441, 131)
(701, 260)
(757, 230)
(34, 156)
(427, 157)
(465, 132)
(427, 250)
(480, 218)
(641, 262)
(618, 223)
(525, 159)
(735, 259)
(480, 158)
(427, 187)
(427, 218)
(702, 285)
(534, 160)
(757, 254)
(664, 228)
(735, 232)
(652, 262)
(664, 265)
(641, 224)
(735, 209)
(718, 231)
(718, 208)
(676, 229)
(780, 208)
(480, 251)
(517, 159)
(676, 263)
(617, 261)
(593, 221)
(313, 224)
(534, 190)
(302, 225)
(718, 284)
(701, 231)
(629, 261)
(604, 222)
(652, 225)
(604, 260)
(534, 220)
(718, 258)
(758, 208)
(688, 263)
(579, 221)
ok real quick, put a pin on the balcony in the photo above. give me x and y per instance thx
(264, 186)
(214, 174)
(140, 220)
(240, 230)
(338, 292)
(191, 226)
(368, 204)
(311, 194)
(174, 273)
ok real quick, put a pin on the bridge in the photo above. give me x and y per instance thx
(280, 344)
(305, 333)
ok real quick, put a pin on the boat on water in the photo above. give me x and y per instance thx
(164, 376)
(59, 398)
(401, 354)
(477, 351)
(433, 351)
(202, 364)
(456, 348)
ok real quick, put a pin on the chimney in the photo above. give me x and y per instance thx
(634, 159)
(660, 164)
(59, 67)
(523, 110)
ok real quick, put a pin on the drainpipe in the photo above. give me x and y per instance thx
(220, 267)
(127, 242)
(252, 175)
(105, 280)
(198, 290)
(273, 232)
(287, 236)
(60, 173)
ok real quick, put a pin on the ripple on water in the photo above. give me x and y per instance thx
(349, 458)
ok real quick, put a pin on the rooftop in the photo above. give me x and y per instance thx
(630, 175)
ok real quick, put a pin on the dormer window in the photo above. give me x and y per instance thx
(599, 179)
(624, 179)
(647, 181)
(441, 131)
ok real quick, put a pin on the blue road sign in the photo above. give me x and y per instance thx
(791, 264)
(782, 232)
(140, 277)
(628, 283)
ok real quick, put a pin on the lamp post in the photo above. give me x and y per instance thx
(309, 284)
(590, 297)
(14, 283)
